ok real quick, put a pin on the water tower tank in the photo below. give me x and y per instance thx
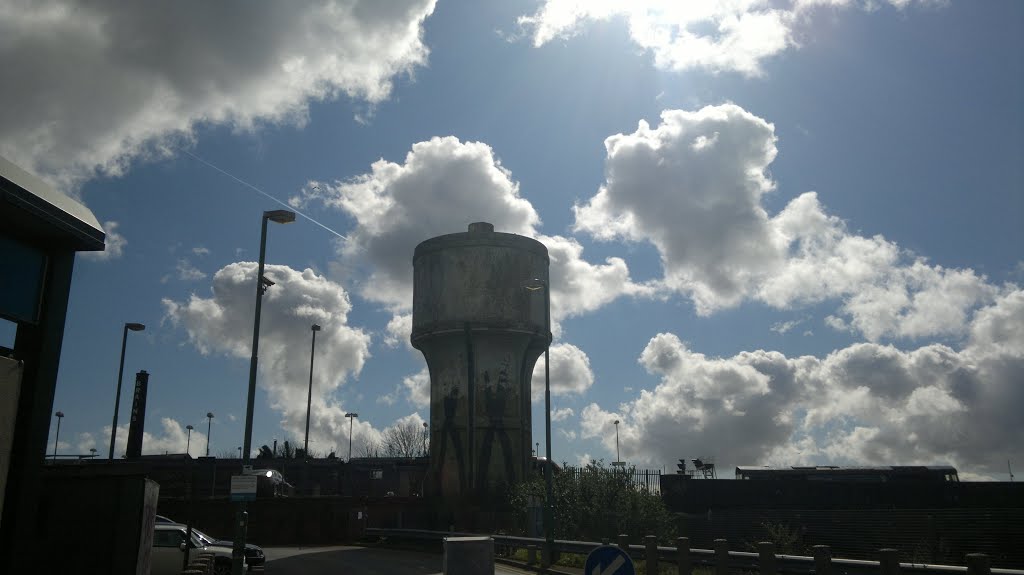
(481, 332)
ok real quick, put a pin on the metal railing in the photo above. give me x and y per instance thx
(723, 561)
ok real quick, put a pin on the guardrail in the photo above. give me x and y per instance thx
(721, 559)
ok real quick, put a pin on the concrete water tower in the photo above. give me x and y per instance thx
(481, 333)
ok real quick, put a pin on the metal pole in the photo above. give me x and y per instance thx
(117, 396)
(350, 438)
(549, 527)
(188, 440)
(309, 397)
(209, 423)
(617, 456)
(56, 439)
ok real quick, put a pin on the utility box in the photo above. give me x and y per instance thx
(468, 556)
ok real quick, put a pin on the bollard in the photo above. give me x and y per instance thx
(721, 557)
(651, 551)
(624, 543)
(822, 560)
(889, 561)
(766, 558)
(978, 564)
(531, 554)
(683, 556)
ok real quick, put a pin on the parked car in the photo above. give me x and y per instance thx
(162, 519)
(169, 549)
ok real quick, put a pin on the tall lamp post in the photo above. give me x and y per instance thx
(209, 424)
(56, 439)
(426, 432)
(309, 398)
(618, 458)
(351, 417)
(188, 441)
(120, 373)
(262, 283)
(549, 515)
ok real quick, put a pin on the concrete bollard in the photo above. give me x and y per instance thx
(889, 561)
(531, 554)
(978, 564)
(651, 552)
(721, 557)
(624, 542)
(683, 565)
(766, 558)
(822, 560)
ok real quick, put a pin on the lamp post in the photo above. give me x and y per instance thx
(60, 416)
(618, 458)
(351, 417)
(209, 424)
(549, 515)
(262, 283)
(188, 441)
(309, 397)
(92, 453)
(426, 431)
(120, 373)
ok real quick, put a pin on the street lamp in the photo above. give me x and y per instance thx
(92, 452)
(262, 283)
(209, 424)
(351, 417)
(618, 459)
(549, 516)
(309, 398)
(188, 441)
(120, 373)
(60, 416)
(426, 428)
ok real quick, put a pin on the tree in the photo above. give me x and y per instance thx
(403, 439)
(597, 502)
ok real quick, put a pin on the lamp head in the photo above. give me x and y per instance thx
(189, 427)
(209, 414)
(616, 422)
(135, 326)
(316, 327)
(59, 414)
(351, 414)
(280, 216)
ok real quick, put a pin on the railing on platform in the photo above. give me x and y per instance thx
(720, 559)
(649, 479)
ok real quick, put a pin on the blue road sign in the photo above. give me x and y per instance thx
(608, 560)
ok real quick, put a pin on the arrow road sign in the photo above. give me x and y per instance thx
(608, 560)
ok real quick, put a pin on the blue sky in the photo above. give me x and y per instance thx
(781, 232)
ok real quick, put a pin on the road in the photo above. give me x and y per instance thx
(362, 560)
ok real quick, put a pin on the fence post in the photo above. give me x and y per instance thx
(721, 557)
(683, 555)
(889, 561)
(766, 558)
(978, 564)
(624, 542)
(651, 544)
(822, 560)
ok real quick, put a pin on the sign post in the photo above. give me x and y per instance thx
(138, 421)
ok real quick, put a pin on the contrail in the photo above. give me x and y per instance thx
(265, 194)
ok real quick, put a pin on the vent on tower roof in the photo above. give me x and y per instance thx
(480, 228)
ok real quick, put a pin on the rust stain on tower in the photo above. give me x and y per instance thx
(481, 333)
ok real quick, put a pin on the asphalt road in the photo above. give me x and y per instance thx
(362, 560)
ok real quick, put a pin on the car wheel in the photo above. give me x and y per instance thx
(222, 567)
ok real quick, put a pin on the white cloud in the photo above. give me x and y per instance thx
(222, 323)
(399, 330)
(172, 438)
(864, 404)
(102, 83)
(114, 244)
(560, 414)
(694, 187)
(418, 387)
(200, 251)
(714, 35)
(570, 372)
(189, 272)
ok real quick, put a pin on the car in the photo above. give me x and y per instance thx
(169, 548)
(162, 519)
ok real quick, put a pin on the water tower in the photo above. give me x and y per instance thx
(481, 333)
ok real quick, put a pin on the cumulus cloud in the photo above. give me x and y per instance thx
(171, 438)
(222, 323)
(560, 414)
(570, 372)
(864, 404)
(713, 35)
(418, 388)
(189, 272)
(443, 185)
(114, 244)
(694, 187)
(101, 83)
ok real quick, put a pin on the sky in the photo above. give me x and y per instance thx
(781, 232)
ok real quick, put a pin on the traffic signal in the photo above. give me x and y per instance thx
(682, 467)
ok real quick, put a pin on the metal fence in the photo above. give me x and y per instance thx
(649, 479)
(721, 560)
